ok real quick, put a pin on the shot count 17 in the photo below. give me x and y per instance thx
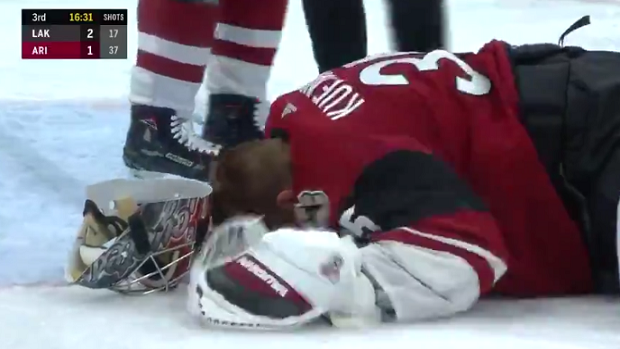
(74, 34)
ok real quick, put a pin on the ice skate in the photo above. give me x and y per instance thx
(232, 120)
(158, 143)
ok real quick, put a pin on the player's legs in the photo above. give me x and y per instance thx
(174, 40)
(246, 39)
(337, 29)
(570, 105)
(417, 25)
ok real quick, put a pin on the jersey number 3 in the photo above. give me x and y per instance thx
(358, 225)
(475, 84)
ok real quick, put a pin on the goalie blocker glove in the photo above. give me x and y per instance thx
(286, 278)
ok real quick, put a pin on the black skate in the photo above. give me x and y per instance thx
(231, 120)
(158, 142)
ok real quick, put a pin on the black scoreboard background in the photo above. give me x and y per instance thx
(74, 34)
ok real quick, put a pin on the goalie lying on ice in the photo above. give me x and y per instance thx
(416, 184)
(456, 176)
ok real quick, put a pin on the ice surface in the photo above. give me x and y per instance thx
(62, 126)
(61, 318)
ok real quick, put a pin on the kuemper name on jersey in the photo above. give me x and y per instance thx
(333, 96)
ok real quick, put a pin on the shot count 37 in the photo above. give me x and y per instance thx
(74, 34)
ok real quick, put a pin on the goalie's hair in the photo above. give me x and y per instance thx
(248, 178)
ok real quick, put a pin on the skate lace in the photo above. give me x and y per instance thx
(183, 132)
(261, 110)
(254, 124)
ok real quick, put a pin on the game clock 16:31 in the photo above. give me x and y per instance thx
(82, 17)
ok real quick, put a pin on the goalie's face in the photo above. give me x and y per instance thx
(254, 178)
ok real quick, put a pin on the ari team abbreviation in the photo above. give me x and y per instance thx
(74, 34)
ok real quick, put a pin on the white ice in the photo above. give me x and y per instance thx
(62, 126)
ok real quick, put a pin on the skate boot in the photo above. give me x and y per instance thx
(231, 120)
(159, 142)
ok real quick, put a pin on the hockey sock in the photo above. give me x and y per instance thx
(174, 39)
(246, 40)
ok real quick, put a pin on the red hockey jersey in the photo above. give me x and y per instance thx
(424, 156)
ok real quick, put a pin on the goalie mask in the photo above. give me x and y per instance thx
(138, 236)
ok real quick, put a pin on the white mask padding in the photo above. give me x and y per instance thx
(89, 254)
(145, 191)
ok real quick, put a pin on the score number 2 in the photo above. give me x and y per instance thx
(475, 84)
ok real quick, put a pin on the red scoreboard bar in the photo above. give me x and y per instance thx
(74, 34)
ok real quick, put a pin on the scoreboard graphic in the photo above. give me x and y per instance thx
(74, 34)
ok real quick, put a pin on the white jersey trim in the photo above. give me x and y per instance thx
(248, 37)
(193, 55)
(497, 264)
(156, 90)
(229, 75)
